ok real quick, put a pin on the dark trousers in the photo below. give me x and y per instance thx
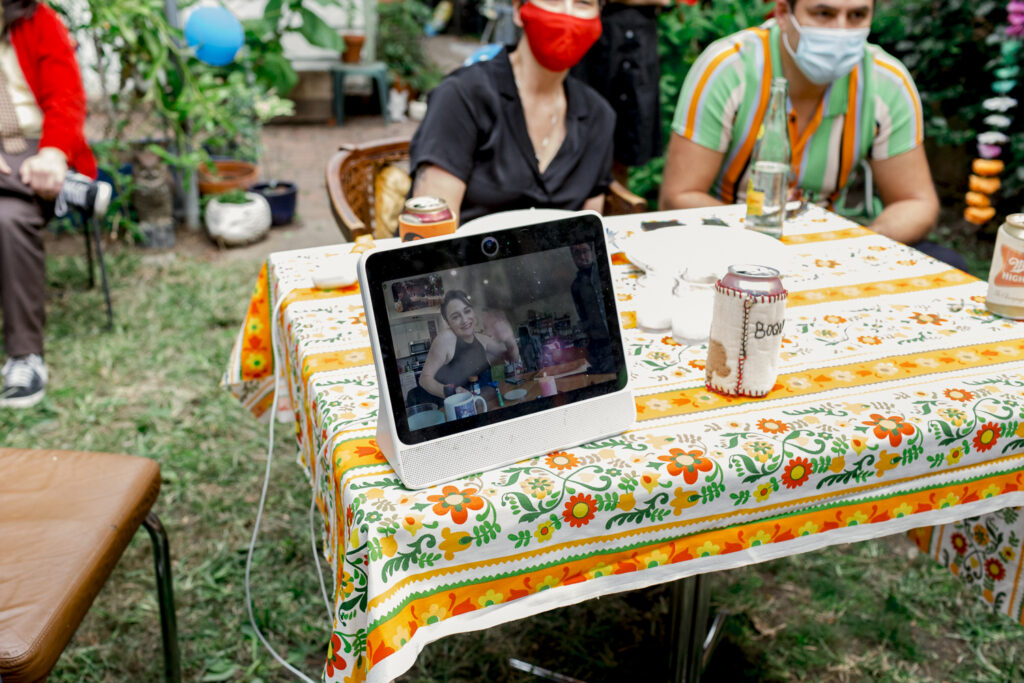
(942, 253)
(22, 261)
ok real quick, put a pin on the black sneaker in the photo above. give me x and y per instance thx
(24, 381)
(91, 197)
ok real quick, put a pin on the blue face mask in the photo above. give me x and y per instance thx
(825, 55)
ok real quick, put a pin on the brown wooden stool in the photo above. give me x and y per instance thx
(65, 519)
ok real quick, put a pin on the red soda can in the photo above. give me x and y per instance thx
(425, 217)
(746, 331)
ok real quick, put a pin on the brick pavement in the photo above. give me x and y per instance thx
(299, 153)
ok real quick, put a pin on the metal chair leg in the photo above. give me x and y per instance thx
(165, 594)
(88, 250)
(95, 229)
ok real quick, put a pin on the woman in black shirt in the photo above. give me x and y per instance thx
(460, 352)
(516, 132)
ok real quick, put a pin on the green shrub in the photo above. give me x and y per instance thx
(950, 47)
(400, 43)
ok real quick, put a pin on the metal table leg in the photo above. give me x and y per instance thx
(688, 618)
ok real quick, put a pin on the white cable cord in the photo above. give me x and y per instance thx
(316, 557)
(259, 512)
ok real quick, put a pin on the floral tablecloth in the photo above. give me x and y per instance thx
(899, 404)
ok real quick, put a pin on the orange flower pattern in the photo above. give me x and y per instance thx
(456, 502)
(580, 509)
(894, 428)
(687, 463)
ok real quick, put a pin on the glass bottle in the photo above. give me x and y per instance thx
(769, 176)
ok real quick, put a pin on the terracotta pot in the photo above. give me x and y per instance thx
(230, 175)
(353, 46)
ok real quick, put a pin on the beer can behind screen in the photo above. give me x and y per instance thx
(746, 331)
(425, 217)
(1006, 276)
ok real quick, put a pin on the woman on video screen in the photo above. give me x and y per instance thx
(460, 352)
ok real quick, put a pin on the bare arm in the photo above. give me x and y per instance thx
(440, 353)
(434, 181)
(595, 203)
(689, 171)
(498, 337)
(505, 349)
(911, 205)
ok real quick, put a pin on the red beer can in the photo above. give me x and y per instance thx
(746, 331)
(425, 217)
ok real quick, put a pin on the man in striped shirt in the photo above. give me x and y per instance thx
(848, 100)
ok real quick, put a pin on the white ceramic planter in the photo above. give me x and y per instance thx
(238, 224)
(417, 110)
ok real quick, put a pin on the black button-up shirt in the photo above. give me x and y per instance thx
(475, 129)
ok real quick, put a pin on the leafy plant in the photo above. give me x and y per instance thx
(236, 196)
(950, 49)
(244, 107)
(263, 40)
(400, 43)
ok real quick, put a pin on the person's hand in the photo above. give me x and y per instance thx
(4, 168)
(496, 325)
(44, 172)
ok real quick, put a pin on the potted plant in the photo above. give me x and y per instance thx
(400, 29)
(353, 46)
(281, 195)
(235, 146)
(236, 218)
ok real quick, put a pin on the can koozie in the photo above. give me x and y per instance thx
(745, 339)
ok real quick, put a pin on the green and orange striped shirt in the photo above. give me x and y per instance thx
(873, 112)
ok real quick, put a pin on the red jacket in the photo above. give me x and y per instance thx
(47, 58)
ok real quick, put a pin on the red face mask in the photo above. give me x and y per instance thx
(557, 40)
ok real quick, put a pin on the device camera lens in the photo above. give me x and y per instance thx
(489, 246)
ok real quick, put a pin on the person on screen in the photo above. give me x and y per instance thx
(588, 296)
(403, 299)
(517, 131)
(460, 352)
(848, 100)
(529, 350)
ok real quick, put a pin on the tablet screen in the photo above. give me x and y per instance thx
(478, 329)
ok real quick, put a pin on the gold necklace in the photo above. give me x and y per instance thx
(537, 154)
(547, 138)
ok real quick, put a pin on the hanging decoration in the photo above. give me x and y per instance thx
(984, 180)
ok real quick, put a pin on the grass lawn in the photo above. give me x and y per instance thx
(872, 611)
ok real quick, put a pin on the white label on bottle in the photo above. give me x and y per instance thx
(1006, 276)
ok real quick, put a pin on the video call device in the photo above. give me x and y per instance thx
(494, 347)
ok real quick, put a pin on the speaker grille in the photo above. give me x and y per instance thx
(492, 446)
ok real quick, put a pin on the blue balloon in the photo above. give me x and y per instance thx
(215, 33)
